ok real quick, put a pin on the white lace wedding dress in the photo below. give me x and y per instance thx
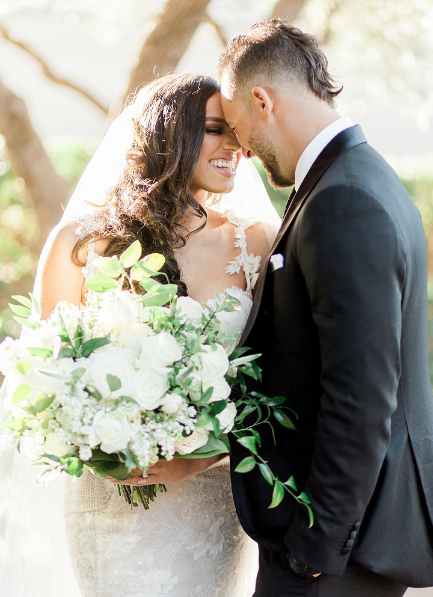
(189, 543)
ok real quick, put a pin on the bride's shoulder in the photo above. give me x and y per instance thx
(65, 238)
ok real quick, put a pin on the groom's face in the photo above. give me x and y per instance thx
(253, 133)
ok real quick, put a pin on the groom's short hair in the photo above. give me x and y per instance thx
(274, 49)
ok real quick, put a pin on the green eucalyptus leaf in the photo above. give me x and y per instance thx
(100, 283)
(246, 465)
(248, 442)
(41, 404)
(283, 419)
(110, 266)
(273, 400)
(39, 351)
(310, 515)
(23, 392)
(91, 345)
(154, 262)
(148, 284)
(304, 498)
(203, 419)
(131, 255)
(291, 483)
(23, 300)
(24, 367)
(20, 310)
(113, 382)
(216, 426)
(266, 473)
(161, 297)
(217, 407)
(277, 494)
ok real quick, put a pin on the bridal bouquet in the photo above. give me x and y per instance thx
(132, 377)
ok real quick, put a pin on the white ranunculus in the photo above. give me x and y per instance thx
(55, 444)
(190, 309)
(114, 361)
(152, 384)
(112, 430)
(197, 439)
(171, 403)
(159, 350)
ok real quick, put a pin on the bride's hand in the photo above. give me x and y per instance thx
(169, 471)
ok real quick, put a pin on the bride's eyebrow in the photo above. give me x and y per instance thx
(215, 119)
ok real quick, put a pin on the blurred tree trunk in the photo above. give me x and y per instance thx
(167, 42)
(288, 9)
(45, 188)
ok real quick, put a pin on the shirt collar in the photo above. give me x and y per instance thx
(317, 145)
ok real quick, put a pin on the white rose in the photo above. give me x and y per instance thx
(112, 430)
(118, 312)
(152, 384)
(159, 350)
(66, 315)
(214, 362)
(10, 352)
(132, 336)
(114, 361)
(227, 417)
(171, 403)
(48, 378)
(190, 309)
(191, 443)
(45, 336)
(55, 444)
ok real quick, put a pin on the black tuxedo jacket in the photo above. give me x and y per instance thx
(342, 327)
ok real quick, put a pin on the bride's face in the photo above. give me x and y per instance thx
(219, 155)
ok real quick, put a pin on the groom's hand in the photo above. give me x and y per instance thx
(169, 471)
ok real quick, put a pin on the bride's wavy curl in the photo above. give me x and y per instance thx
(153, 195)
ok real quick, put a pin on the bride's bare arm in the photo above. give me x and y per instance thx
(60, 278)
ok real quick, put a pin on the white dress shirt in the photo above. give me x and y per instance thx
(317, 145)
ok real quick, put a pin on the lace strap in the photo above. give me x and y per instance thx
(249, 263)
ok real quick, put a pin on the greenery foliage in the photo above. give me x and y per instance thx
(19, 229)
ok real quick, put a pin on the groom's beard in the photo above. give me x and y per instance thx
(265, 152)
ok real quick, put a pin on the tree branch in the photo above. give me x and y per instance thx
(29, 160)
(288, 9)
(167, 42)
(217, 28)
(327, 33)
(49, 73)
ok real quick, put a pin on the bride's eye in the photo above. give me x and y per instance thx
(214, 130)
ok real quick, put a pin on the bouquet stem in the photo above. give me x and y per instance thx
(143, 495)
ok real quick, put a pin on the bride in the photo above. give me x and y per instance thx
(166, 158)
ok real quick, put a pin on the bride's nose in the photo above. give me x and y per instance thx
(231, 142)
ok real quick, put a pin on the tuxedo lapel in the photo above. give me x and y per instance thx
(342, 142)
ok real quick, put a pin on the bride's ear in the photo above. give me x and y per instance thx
(262, 100)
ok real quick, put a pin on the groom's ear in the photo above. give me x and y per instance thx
(262, 100)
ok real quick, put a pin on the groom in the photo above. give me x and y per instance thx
(340, 317)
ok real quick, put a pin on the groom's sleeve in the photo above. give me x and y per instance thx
(351, 257)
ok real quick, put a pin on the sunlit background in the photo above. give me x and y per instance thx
(66, 67)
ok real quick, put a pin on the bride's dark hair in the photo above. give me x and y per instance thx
(154, 192)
